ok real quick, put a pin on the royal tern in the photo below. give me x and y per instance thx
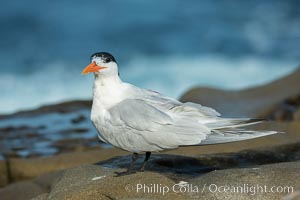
(140, 120)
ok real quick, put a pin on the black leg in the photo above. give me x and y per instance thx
(129, 170)
(135, 156)
(148, 154)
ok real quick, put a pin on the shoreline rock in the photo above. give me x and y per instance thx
(252, 102)
(4, 173)
(24, 169)
(276, 166)
(63, 107)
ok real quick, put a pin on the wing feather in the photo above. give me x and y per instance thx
(156, 126)
(139, 115)
(171, 105)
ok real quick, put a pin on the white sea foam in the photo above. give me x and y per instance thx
(169, 75)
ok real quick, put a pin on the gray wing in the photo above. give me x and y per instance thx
(222, 129)
(188, 109)
(137, 114)
(156, 126)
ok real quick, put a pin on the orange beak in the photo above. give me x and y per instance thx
(92, 68)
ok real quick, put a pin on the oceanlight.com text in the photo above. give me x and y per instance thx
(185, 187)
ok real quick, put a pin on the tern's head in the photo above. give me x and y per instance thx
(102, 63)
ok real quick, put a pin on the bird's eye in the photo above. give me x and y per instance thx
(106, 60)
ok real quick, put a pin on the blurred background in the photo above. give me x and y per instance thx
(220, 48)
(168, 46)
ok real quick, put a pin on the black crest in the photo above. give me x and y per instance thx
(106, 57)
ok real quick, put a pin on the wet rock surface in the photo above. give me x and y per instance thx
(47, 131)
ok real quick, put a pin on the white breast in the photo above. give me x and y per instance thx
(107, 93)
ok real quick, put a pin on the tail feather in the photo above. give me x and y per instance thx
(232, 123)
(223, 136)
(228, 130)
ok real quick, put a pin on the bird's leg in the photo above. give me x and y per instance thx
(135, 156)
(148, 154)
(129, 170)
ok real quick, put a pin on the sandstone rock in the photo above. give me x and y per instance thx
(297, 115)
(43, 196)
(293, 196)
(252, 102)
(21, 191)
(4, 176)
(95, 182)
(284, 111)
(98, 181)
(250, 183)
(29, 168)
(64, 107)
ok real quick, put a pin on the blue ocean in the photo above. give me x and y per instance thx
(169, 46)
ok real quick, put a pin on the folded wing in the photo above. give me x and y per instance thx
(156, 126)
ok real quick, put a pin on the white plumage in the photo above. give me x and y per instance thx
(140, 120)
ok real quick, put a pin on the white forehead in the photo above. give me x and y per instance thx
(97, 59)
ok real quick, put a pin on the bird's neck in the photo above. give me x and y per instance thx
(107, 91)
(101, 80)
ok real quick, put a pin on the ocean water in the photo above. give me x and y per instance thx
(168, 46)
